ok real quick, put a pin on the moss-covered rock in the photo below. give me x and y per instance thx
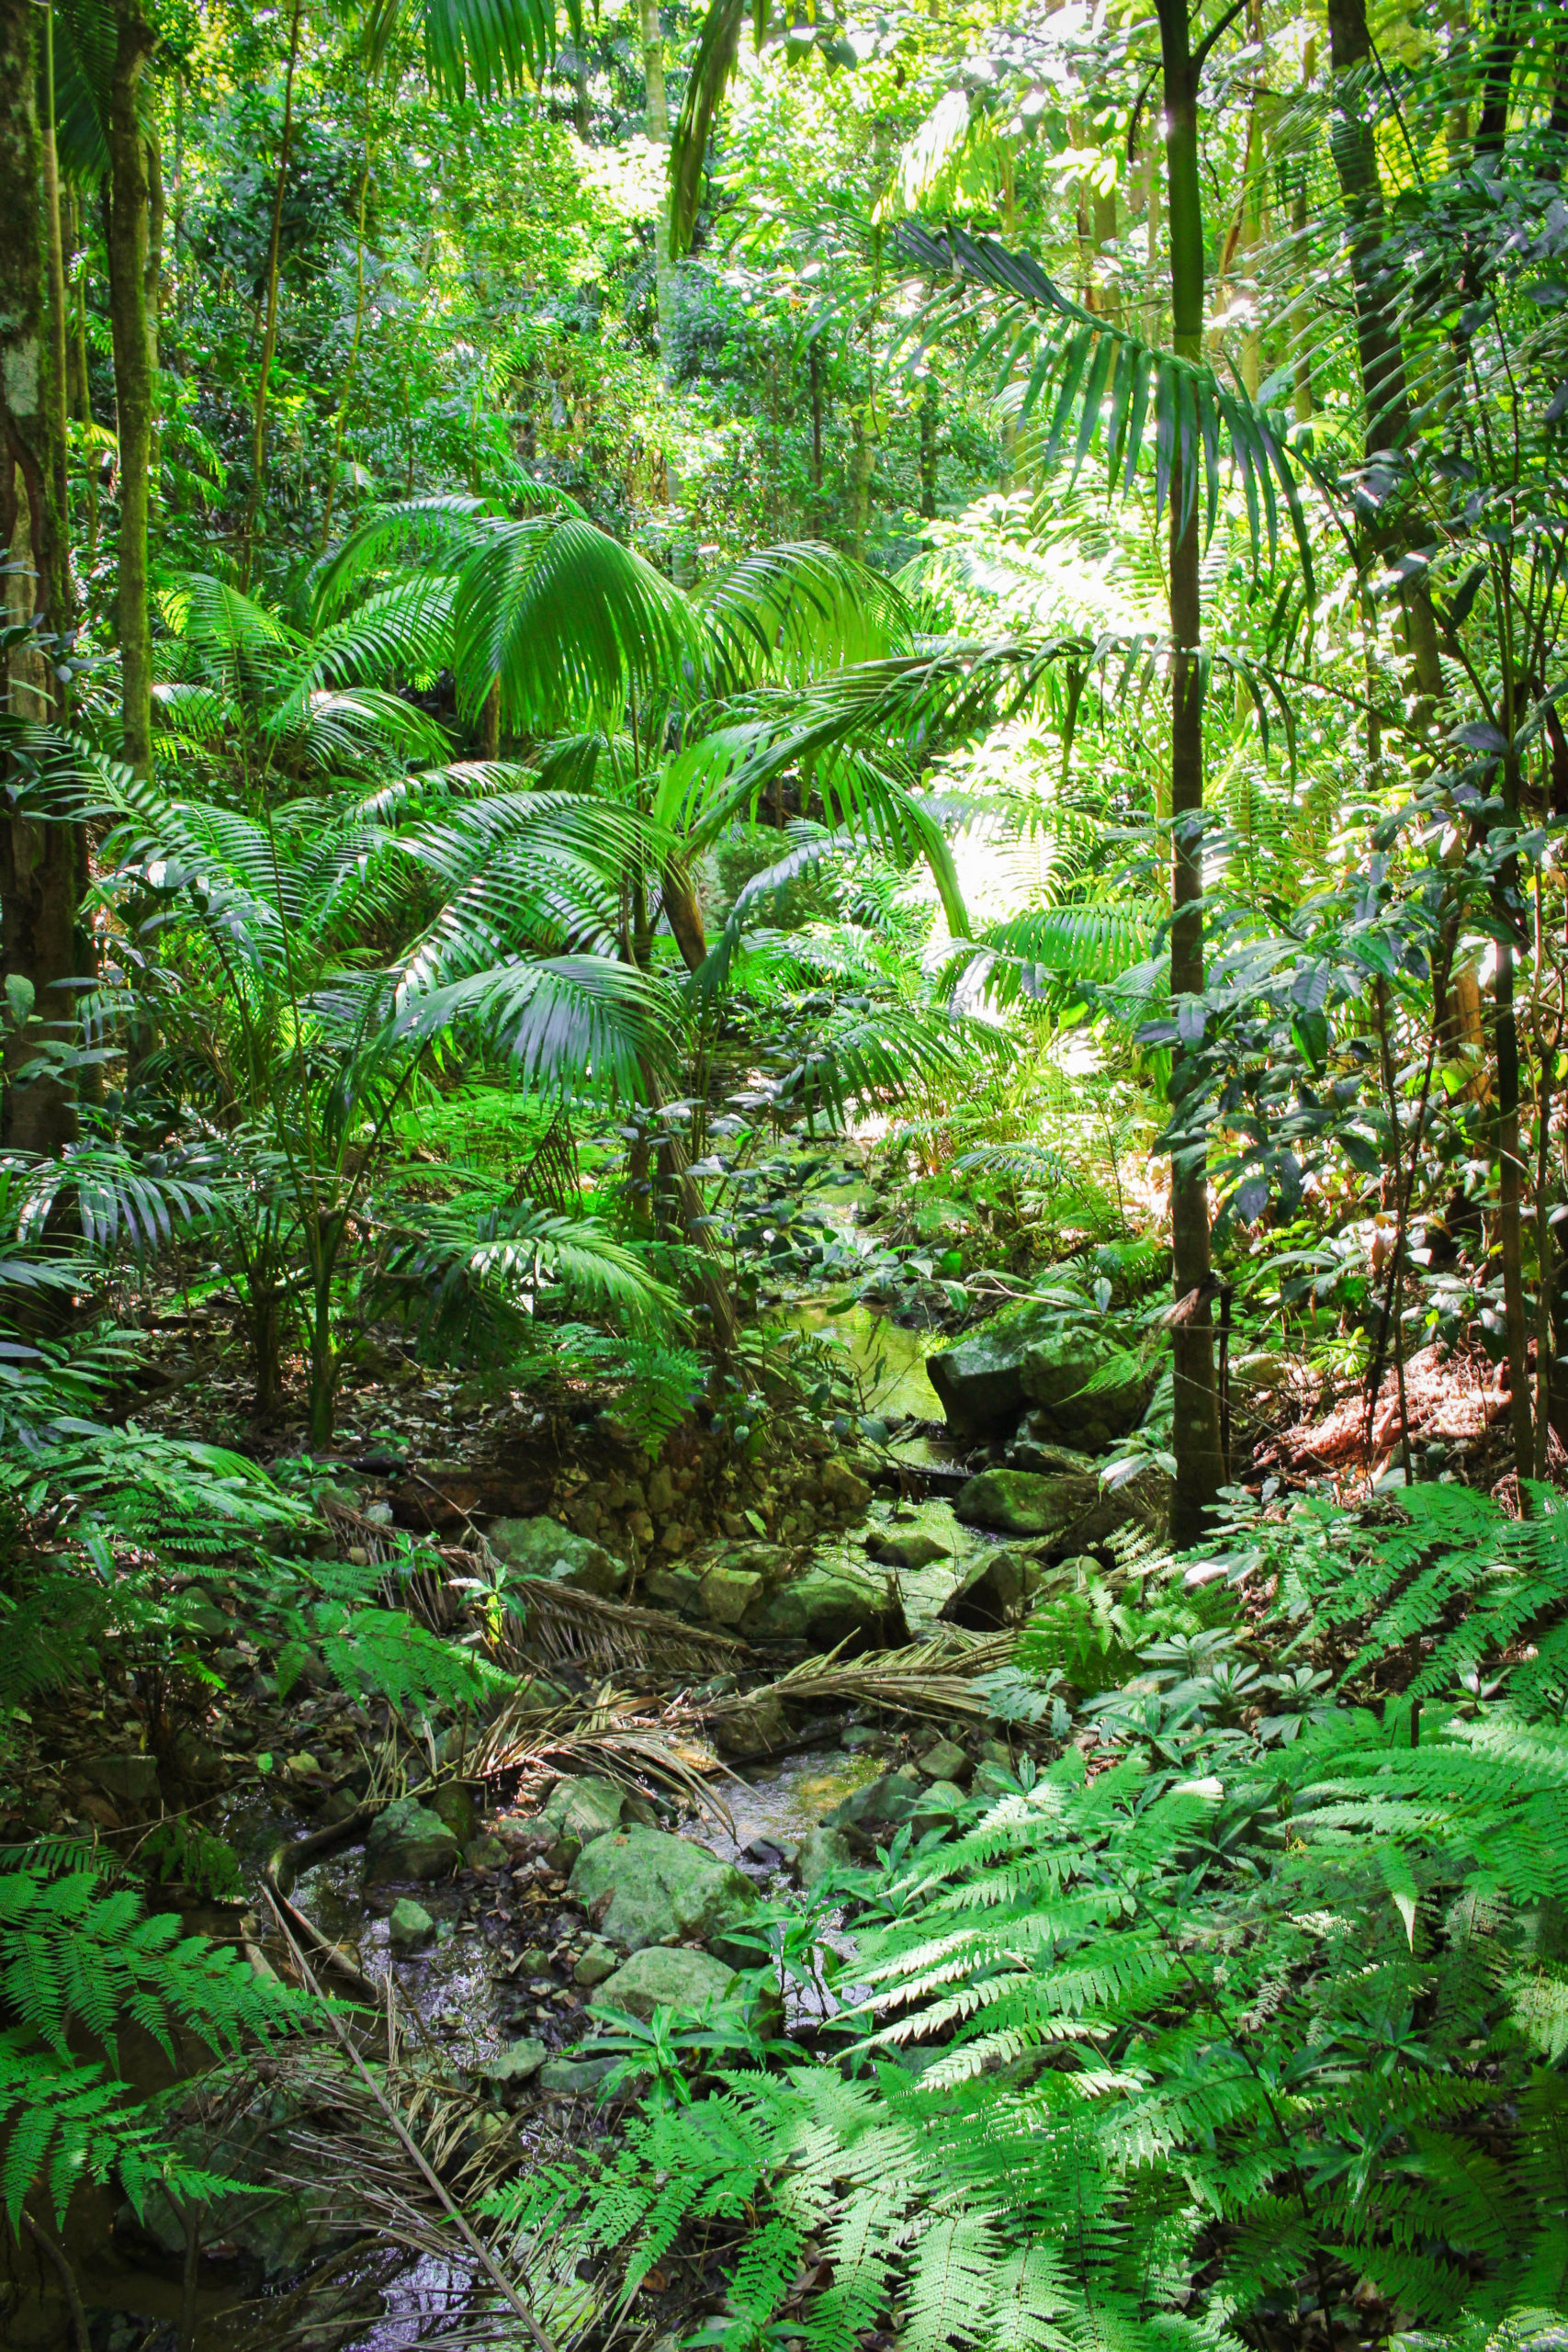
(643, 1886)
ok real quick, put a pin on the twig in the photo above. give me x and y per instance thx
(60, 2263)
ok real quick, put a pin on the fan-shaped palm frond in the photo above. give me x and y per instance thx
(401, 634)
(793, 611)
(1067, 943)
(573, 1024)
(885, 1056)
(436, 533)
(227, 631)
(350, 725)
(568, 623)
(486, 45)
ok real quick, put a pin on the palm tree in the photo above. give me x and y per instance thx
(282, 1031)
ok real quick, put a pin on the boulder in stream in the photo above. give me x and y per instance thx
(837, 1597)
(517, 2065)
(644, 1886)
(410, 1926)
(543, 1547)
(660, 1977)
(821, 1850)
(727, 1593)
(1022, 1357)
(407, 1840)
(1020, 1502)
(584, 1809)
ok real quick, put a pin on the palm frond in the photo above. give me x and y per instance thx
(568, 623)
(796, 611)
(1105, 385)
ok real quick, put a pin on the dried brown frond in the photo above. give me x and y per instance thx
(562, 1626)
(929, 1678)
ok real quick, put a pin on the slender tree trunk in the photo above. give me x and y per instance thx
(1389, 428)
(815, 363)
(665, 286)
(1200, 1467)
(1510, 1166)
(351, 370)
(57, 380)
(930, 396)
(37, 859)
(128, 243)
(269, 338)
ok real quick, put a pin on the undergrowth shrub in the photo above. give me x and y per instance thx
(1248, 2024)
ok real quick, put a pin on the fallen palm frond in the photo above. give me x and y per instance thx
(564, 1627)
(619, 1735)
(930, 1677)
(396, 2157)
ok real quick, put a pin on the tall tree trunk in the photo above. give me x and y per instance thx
(1497, 76)
(1200, 1467)
(128, 244)
(665, 287)
(1389, 428)
(54, 241)
(269, 338)
(929, 395)
(37, 859)
(350, 372)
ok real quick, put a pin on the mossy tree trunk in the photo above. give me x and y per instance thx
(1196, 1437)
(39, 861)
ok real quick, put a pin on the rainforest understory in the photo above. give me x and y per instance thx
(784, 1177)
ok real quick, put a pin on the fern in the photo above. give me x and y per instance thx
(78, 1956)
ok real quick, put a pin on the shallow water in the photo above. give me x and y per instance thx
(888, 1362)
(450, 1985)
(783, 1801)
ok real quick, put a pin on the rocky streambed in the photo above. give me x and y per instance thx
(653, 1810)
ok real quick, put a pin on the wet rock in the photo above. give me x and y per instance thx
(130, 1780)
(945, 1760)
(1022, 1356)
(486, 1853)
(996, 1587)
(597, 1962)
(543, 1547)
(994, 1780)
(939, 1807)
(908, 1548)
(660, 1978)
(1019, 1502)
(407, 1840)
(584, 1809)
(1057, 1372)
(455, 1804)
(517, 2065)
(868, 1816)
(410, 1926)
(644, 1886)
(574, 2078)
(980, 1380)
(729, 1593)
(1030, 1452)
(821, 1850)
(844, 1490)
(837, 1597)
(675, 1589)
(756, 1730)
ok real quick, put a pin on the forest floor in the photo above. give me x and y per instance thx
(738, 1673)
